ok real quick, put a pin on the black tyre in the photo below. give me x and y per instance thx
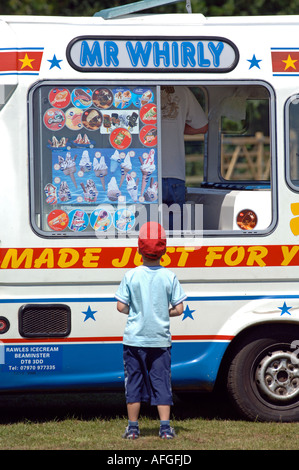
(263, 376)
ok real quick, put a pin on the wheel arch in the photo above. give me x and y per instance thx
(246, 335)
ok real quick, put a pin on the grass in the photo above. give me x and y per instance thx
(97, 421)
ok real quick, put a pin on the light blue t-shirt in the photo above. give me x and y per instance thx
(149, 291)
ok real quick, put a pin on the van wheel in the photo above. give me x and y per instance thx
(263, 376)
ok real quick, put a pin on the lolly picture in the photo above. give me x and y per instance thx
(84, 176)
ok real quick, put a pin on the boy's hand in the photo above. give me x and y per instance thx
(177, 310)
(122, 308)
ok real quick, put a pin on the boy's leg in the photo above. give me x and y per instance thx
(159, 368)
(164, 412)
(133, 411)
(135, 388)
(160, 377)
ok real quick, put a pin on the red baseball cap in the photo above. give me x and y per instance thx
(152, 240)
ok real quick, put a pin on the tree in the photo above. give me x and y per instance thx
(206, 7)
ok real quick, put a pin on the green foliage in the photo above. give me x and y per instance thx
(206, 7)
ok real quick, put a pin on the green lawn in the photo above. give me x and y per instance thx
(97, 421)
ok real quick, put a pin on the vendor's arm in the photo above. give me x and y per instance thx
(190, 131)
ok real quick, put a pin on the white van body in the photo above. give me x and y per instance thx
(241, 314)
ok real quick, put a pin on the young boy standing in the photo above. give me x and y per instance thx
(145, 294)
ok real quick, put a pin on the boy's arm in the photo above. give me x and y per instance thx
(122, 308)
(177, 310)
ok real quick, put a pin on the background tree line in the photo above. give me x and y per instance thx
(206, 7)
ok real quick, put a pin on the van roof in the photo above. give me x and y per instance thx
(157, 19)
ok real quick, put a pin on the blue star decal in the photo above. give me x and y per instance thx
(89, 314)
(54, 62)
(188, 313)
(254, 62)
(284, 309)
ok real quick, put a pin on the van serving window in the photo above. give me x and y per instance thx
(233, 179)
(292, 133)
(98, 152)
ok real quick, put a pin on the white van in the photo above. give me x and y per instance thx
(80, 136)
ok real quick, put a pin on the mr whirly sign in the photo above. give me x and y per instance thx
(93, 54)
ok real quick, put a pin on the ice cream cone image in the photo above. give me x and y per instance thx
(100, 169)
(124, 219)
(124, 173)
(117, 99)
(126, 166)
(68, 166)
(102, 220)
(72, 170)
(147, 168)
(64, 192)
(90, 191)
(145, 178)
(50, 191)
(132, 187)
(113, 190)
(114, 161)
(85, 163)
(151, 194)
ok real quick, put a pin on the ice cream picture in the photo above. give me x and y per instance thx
(82, 140)
(73, 118)
(68, 166)
(103, 220)
(126, 166)
(124, 221)
(64, 192)
(132, 187)
(122, 98)
(102, 98)
(55, 143)
(59, 97)
(85, 163)
(114, 161)
(147, 168)
(100, 169)
(107, 122)
(81, 97)
(151, 194)
(146, 97)
(50, 191)
(113, 190)
(77, 220)
(90, 191)
(92, 119)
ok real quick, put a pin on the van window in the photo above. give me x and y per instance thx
(292, 132)
(94, 157)
(97, 156)
(229, 172)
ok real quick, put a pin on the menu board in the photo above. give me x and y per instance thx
(99, 150)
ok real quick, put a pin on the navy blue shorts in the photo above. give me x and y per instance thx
(147, 375)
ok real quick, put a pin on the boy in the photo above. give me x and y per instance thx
(145, 294)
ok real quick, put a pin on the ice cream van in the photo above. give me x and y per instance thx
(81, 138)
